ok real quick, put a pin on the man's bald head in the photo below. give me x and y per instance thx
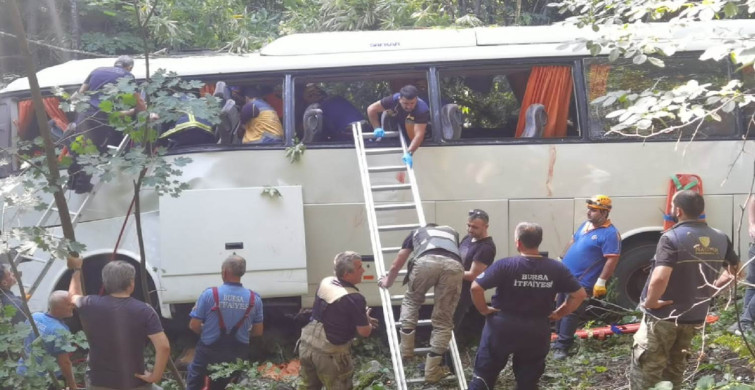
(59, 304)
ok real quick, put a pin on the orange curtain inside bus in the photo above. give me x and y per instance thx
(550, 86)
(52, 108)
(26, 114)
(207, 89)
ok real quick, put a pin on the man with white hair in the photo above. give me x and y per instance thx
(224, 317)
(117, 327)
(55, 336)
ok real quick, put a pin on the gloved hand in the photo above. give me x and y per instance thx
(407, 159)
(379, 132)
(599, 289)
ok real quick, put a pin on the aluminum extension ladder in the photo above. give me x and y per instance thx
(75, 218)
(415, 207)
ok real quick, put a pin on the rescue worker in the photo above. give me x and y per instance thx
(188, 130)
(259, 120)
(218, 308)
(592, 256)
(412, 115)
(436, 264)
(7, 297)
(677, 294)
(337, 112)
(517, 323)
(338, 313)
(93, 123)
(477, 251)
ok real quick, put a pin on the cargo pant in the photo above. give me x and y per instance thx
(323, 363)
(445, 275)
(660, 353)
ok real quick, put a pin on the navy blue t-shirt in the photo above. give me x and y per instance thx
(342, 317)
(527, 286)
(102, 76)
(420, 113)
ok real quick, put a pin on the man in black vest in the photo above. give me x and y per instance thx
(338, 314)
(677, 294)
(438, 265)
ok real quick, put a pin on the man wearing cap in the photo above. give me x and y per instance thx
(477, 251)
(592, 256)
(412, 115)
(437, 265)
(517, 322)
(93, 123)
(259, 120)
(339, 313)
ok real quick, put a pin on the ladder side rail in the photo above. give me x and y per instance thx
(385, 298)
(453, 347)
(415, 188)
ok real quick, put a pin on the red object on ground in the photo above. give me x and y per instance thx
(684, 181)
(608, 330)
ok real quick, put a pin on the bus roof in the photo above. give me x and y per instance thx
(367, 48)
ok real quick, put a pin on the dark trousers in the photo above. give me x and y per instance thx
(507, 334)
(225, 349)
(567, 326)
(92, 126)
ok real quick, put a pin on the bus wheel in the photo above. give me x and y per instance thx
(632, 273)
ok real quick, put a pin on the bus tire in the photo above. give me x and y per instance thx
(632, 273)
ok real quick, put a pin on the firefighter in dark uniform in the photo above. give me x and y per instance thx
(437, 265)
(518, 323)
(188, 130)
(338, 313)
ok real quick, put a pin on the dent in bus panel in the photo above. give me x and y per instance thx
(603, 77)
(326, 107)
(494, 103)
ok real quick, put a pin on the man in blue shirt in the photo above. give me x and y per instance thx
(337, 113)
(517, 323)
(412, 115)
(224, 317)
(592, 256)
(55, 335)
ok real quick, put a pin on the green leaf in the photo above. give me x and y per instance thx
(731, 10)
(106, 106)
(706, 382)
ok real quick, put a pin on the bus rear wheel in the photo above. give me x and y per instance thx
(632, 273)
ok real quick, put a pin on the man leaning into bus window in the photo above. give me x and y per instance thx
(412, 115)
(224, 317)
(117, 326)
(338, 314)
(92, 124)
(592, 256)
(259, 120)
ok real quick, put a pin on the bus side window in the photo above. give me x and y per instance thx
(603, 76)
(493, 103)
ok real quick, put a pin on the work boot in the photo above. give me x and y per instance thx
(434, 370)
(407, 344)
(560, 354)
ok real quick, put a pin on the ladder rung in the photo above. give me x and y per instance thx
(392, 249)
(422, 351)
(419, 323)
(401, 297)
(422, 380)
(376, 151)
(394, 206)
(391, 228)
(387, 168)
(388, 134)
(392, 187)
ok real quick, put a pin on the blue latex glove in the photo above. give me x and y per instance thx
(407, 159)
(379, 132)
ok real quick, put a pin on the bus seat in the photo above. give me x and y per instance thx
(229, 123)
(222, 91)
(55, 132)
(388, 122)
(451, 121)
(535, 120)
(312, 123)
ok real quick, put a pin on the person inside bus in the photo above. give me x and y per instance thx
(273, 95)
(187, 130)
(411, 113)
(337, 115)
(259, 119)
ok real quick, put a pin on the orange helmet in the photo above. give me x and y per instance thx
(599, 202)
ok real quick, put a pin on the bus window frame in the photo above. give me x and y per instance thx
(738, 133)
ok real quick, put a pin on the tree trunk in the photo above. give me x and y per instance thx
(517, 21)
(75, 28)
